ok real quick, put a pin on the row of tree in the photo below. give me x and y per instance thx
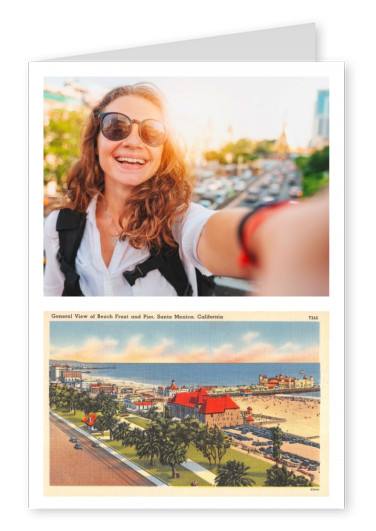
(168, 441)
(244, 148)
(315, 171)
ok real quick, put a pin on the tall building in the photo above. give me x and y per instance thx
(281, 146)
(320, 136)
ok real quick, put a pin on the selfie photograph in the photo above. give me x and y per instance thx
(175, 186)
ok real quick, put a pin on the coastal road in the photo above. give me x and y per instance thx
(89, 466)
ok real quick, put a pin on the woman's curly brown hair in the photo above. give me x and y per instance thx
(152, 206)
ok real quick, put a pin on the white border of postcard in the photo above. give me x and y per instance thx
(334, 304)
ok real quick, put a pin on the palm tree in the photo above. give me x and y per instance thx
(282, 477)
(149, 444)
(173, 453)
(121, 432)
(53, 396)
(233, 474)
(204, 443)
(111, 425)
(220, 442)
(277, 435)
(152, 413)
(73, 400)
(86, 404)
(192, 426)
(101, 424)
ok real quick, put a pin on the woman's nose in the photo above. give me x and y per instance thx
(134, 136)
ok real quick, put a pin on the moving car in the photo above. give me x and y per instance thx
(73, 439)
(268, 199)
(295, 191)
(77, 446)
(253, 196)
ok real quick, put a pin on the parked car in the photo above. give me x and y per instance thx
(95, 445)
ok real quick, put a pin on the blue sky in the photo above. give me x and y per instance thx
(140, 341)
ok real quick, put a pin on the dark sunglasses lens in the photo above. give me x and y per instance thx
(153, 132)
(115, 126)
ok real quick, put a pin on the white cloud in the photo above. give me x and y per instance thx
(249, 336)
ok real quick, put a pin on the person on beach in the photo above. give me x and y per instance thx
(135, 231)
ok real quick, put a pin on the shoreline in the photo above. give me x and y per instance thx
(296, 414)
(225, 389)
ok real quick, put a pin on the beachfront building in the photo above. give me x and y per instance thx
(72, 378)
(89, 421)
(286, 382)
(171, 390)
(144, 405)
(247, 416)
(137, 403)
(110, 389)
(213, 411)
(56, 372)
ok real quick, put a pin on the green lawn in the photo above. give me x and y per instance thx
(257, 467)
(162, 472)
(138, 421)
(69, 415)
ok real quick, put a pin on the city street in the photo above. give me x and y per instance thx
(88, 466)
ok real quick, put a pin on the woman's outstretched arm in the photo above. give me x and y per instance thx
(290, 248)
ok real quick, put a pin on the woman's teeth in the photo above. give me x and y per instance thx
(130, 161)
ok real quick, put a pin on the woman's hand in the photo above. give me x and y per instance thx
(291, 247)
(292, 250)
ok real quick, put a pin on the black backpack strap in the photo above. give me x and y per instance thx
(205, 284)
(70, 225)
(168, 262)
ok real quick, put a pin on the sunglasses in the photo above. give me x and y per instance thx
(117, 126)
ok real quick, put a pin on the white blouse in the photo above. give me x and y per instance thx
(98, 280)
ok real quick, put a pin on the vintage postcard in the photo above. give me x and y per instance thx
(177, 404)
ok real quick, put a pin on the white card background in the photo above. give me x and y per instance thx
(345, 32)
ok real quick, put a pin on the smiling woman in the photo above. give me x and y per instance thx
(130, 185)
(127, 227)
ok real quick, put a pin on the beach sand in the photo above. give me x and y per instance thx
(299, 415)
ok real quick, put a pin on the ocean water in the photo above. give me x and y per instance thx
(201, 374)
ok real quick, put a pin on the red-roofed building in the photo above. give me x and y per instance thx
(90, 421)
(145, 405)
(171, 390)
(213, 411)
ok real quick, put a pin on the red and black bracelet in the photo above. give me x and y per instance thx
(247, 227)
